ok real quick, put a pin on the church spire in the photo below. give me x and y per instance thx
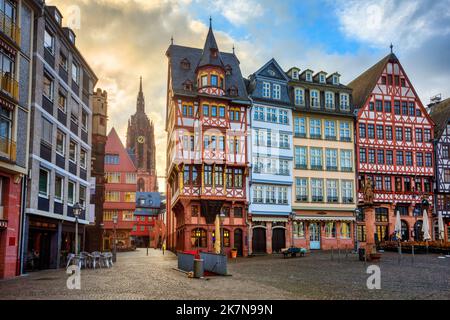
(140, 106)
(211, 54)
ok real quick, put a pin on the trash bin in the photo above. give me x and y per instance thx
(198, 268)
(362, 253)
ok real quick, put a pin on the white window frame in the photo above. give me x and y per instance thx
(52, 87)
(76, 69)
(322, 78)
(299, 97)
(308, 76)
(47, 194)
(45, 122)
(62, 153)
(315, 94)
(74, 193)
(83, 164)
(276, 91)
(344, 106)
(50, 47)
(266, 90)
(60, 200)
(344, 126)
(301, 185)
(75, 154)
(329, 100)
(346, 157)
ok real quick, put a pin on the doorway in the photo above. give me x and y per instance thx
(238, 242)
(259, 240)
(314, 236)
(278, 239)
(39, 250)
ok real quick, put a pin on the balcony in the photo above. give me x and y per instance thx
(9, 85)
(7, 149)
(9, 28)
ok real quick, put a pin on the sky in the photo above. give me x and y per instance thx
(125, 39)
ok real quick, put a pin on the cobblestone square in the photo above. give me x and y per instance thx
(317, 276)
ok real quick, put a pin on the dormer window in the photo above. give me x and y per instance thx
(266, 90)
(228, 70)
(295, 75)
(187, 85)
(322, 78)
(214, 52)
(185, 64)
(58, 18)
(277, 91)
(336, 80)
(233, 91)
(309, 76)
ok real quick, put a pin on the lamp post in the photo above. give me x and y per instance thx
(114, 257)
(76, 212)
(292, 216)
(222, 219)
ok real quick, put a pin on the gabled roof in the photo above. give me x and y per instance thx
(441, 116)
(277, 66)
(114, 146)
(363, 85)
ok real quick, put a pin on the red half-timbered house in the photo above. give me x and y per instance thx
(207, 106)
(394, 149)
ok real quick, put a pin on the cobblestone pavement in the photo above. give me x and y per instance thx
(317, 276)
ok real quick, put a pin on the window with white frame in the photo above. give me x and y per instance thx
(131, 178)
(59, 188)
(295, 74)
(71, 193)
(48, 87)
(331, 159)
(301, 189)
(266, 90)
(308, 76)
(347, 191)
(282, 195)
(317, 190)
(316, 158)
(283, 117)
(44, 179)
(299, 96)
(315, 102)
(83, 158)
(82, 196)
(344, 131)
(271, 115)
(73, 151)
(300, 157)
(75, 73)
(259, 113)
(84, 120)
(300, 127)
(322, 78)
(258, 194)
(47, 131)
(344, 102)
(299, 229)
(335, 80)
(345, 230)
(270, 194)
(330, 129)
(332, 190)
(330, 229)
(329, 100)
(112, 177)
(283, 167)
(315, 128)
(346, 160)
(49, 42)
(277, 91)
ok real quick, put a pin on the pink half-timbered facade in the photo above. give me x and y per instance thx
(207, 165)
(394, 153)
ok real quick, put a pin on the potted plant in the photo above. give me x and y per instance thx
(234, 253)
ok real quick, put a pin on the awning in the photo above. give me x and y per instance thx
(325, 218)
(269, 219)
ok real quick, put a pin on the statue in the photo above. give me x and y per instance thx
(368, 191)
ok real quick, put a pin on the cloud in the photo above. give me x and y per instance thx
(238, 12)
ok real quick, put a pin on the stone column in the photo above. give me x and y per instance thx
(369, 216)
(269, 237)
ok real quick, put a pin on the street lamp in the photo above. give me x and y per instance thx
(76, 212)
(114, 258)
(222, 219)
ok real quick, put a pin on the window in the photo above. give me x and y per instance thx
(387, 107)
(237, 212)
(344, 131)
(329, 100)
(332, 191)
(60, 142)
(397, 107)
(330, 229)
(361, 233)
(315, 129)
(282, 195)
(229, 177)
(204, 80)
(218, 176)
(345, 230)
(82, 196)
(381, 215)
(213, 111)
(270, 194)
(48, 87)
(428, 159)
(128, 216)
(371, 155)
(222, 112)
(399, 133)
(44, 178)
(316, 158)
(427, 135)
(112, 177)
(344, 105)
(271, 115)
(419, 159)
(408, 158)
(83, 158)
(330, 130)
(379, 105)
(266, 90)
(198, 238)
(371, 131)
(300, 158)
(335, 80)
(131, 178)
(371, 106)
(408, 134)
(214, 80)
(84, 120)
(404, 108)
(49, 42)
(47, 131)
(412, 109)
(259, 113)
(308, 76)
(71, 193)
(62, 102)
(75, 73)
(207, 175)
(112, 159)
(63, 61)
(380, 156)
(59, 188)
(347, 191)
(388, 132)
(130, 196)
(380, 132)
(112, 196)
(322, 78)
(445, 151)
(419, 137)
(362, 130)
(317, 190)
(299, 96)
(299, 229)
(301, 189)
(277, 91)
(73, 151)
(206, 110)
(346, 160)
(331, 159)
(300, 127)
(362, 155)
(387, 184)
(399, 159)
(75, 112)
(315, 102)
(238, 178)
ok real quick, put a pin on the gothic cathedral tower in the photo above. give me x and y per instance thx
(141, 146)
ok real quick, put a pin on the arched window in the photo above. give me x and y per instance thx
(330, 230)
(141, 185)
(345, 230)
(418, 234)
(299, 229)
(198, 238)
(405, 231)
(226, 237)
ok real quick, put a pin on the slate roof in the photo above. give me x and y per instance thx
(363, 85)
(207, 58)
(441, 116)
(179, 75)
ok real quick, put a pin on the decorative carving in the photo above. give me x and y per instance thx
(368, 191)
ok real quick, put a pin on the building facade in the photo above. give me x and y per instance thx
(16, 51)
(120, 194)
(148, 229)
(207, 166)
(99, 138)
(440, 113)
(270, 151)
(395, 156)
(60, 144)
(141, 146)
(323, 193)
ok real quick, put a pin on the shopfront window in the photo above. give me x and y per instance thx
(330, 230)
(299, 229)
(198, 238)
(345, 230)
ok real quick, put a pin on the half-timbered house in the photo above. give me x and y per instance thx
(206, 122)
(394, 151)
